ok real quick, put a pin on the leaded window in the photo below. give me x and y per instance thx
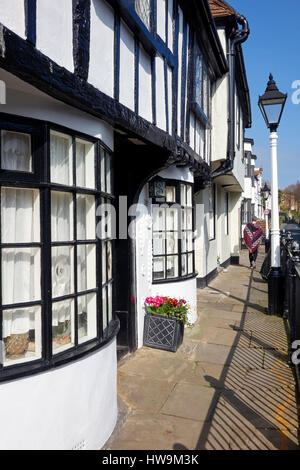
(143, 9)
(56, 275)
(200, 127)
(173, 243)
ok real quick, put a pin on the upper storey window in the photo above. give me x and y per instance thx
(143, 9)
(200, 108)
(202, 88)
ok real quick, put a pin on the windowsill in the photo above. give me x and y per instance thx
(19, 371)
(177, 279)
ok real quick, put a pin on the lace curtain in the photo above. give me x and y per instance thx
(20, 266)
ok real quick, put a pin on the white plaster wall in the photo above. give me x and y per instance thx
(247, 194)
(145, 85)
(66, 407)
(12, 15)
(219, 112)
(235, 223)
(247, 147)
(101, 71)
(54, 31)
(127, 67)
(208, 250)
(223, 240)
(180, 45)
(160, 93)
(24, 100)
(170, 98)
(239, 167)
(161, 19)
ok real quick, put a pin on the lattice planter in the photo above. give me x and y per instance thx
(163, 332)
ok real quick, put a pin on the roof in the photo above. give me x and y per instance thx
(221, 9)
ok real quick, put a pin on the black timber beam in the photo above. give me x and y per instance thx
(18, 57)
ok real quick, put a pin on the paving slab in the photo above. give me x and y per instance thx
(229, 386)
(191, 401)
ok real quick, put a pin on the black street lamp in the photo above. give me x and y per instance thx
(272, 105)
(266, 191)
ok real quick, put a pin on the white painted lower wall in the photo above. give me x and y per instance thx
(224, 245)
(72, 406)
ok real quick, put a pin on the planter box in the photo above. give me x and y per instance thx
(161, 332)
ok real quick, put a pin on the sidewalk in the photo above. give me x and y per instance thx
(228, 386)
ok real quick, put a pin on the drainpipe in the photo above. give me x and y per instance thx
(238, 37)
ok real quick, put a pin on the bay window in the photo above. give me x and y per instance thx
(173, 243)
(56, 276)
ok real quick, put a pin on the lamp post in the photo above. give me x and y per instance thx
(265, 192)
(272, 105)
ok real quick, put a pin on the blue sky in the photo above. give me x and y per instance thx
(274, 46)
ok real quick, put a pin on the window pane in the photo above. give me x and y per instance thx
(172, 243)
(189, 196)
(86, 267)
(184, 265)
(86, 217)
(104, 308)
(21, 333)
(159, 268)
(189, 219)
(61, 216)
(172, 219)
(85, 164)
(63, 336)
(108, 173)
(109, 302)
(62, 271)
(199, 79)
(143, 9)
(170, 194)
(20, 215)
(172, 267)
(16, 151)
(159, 219)
(184, 242)
(104, 265)
(87, 317)
(21, 275)
(109, 261)
(102, 170)
(190, 263)
(190, 243)
(159, 244)
(61, 167)
(183, 194)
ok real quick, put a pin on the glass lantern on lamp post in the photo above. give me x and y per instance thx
(272, 105)
(265, 193)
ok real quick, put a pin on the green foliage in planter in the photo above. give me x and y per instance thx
(168, 307)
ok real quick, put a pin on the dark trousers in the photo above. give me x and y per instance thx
(253, 257)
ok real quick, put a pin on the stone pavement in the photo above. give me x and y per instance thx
(229, 385)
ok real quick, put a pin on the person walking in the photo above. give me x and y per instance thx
(253, 235)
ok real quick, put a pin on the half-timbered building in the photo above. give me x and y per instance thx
(105, 102)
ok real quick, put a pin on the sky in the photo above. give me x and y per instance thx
(274, 47)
